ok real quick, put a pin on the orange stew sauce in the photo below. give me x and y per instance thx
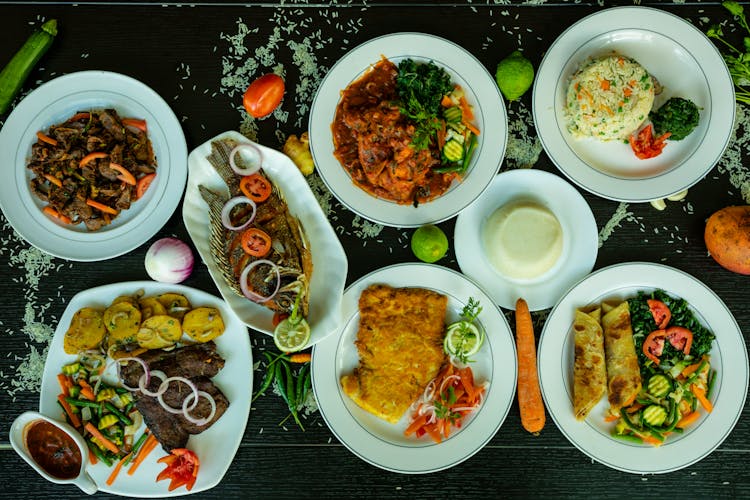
(372, 140)
(53, 450)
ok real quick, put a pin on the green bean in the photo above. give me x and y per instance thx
(136, 447)
(627, 437)
(99, 453)
(711, 381)
(81, 402)
(116, 412)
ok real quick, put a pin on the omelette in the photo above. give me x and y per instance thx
(589, 371)
(400, 345)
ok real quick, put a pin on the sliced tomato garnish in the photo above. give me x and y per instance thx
(256, 242)
(660, 312)
(182, 468)
(680, 337)
(645, 146)
(256, 187)
(653, 346)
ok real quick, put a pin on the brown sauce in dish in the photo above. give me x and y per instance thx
(53, 450)
(372, 140)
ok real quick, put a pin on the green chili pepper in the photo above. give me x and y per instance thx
(301, 375)
(268, 378)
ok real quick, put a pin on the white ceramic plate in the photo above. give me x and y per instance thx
(216, 446)
(55, 102)
(728, 358)
(580, 238)
(481, 92)
(383, 444)
(329, 260)
(684, 61)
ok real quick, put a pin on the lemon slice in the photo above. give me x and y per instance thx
(291, 336)
(463, 339)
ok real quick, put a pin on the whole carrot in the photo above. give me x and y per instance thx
(529, 396)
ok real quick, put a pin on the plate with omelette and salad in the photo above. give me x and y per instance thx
(643, 368)
(422, 372)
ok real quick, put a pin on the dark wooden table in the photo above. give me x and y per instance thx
(178, 49)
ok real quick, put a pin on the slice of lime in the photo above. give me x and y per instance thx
(291, 336)
(463, 339)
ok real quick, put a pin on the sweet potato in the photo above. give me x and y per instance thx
(727, 238)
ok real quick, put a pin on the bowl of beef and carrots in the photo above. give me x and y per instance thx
(99, 165)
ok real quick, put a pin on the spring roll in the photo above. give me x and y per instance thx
(623, 374)
(589, 372)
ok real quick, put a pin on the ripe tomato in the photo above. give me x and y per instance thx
(681, 338)
(660, 312)
(653, 346)
(142, 185)
(264, 95)
(645, 146)
(256, 187)
(182, 468)
(256, 242)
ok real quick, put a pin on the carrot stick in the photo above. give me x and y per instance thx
(54, 180)
(701, 395)
(303, 357)
(416, 424)
(62, 379)
(100, 206)
(57, 215)
(126, 176)
(100, 437)
(470, 126)
(529, 395)
(92, 458)
(116, 471)
(147, 447)
(651, 440)
(45, 138)
(466, 111)
(69, 411)
(688, 419)
(90, 157)
(446, 101)
(690, 369)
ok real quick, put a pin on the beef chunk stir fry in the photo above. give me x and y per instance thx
(91, 167)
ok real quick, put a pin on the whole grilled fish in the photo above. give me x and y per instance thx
(289, 248)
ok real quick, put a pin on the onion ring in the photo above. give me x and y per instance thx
(254, 163)
(199, 421)
(249, 293)
(119, 366)
(164, 385)
(142, 384)
(226, 211)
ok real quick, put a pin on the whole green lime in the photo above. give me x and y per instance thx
(514, 76)
(429, 243)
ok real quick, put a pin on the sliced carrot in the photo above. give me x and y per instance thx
(87, 393)
(468, 114)
(434, 433)
(303, 357)
(101, 438)
(146, 449)
(611, 418)
(125, 176)
(651, 440)
(689, 370)
(116, 471)
(604, 84)
(45, 138)
(91, 157)
(57, 215)
(627, 92)
(418, 422)
(74, 420)
(470, 126)
(80, 116)
(92, 458)
(100, 206)
(688, 419)
(64, 382)
(701, 395)
(135, 122)
(446, 101)
(54, 180)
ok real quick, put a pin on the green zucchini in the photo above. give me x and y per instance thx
(453, 151)
(659, 385)
(20, 66)
(453, 114)
(654, 415)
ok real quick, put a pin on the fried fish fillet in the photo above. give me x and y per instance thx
(400, 345)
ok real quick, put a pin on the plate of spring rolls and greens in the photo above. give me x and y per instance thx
(645, 368)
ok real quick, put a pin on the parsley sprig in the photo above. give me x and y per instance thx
(738, 60)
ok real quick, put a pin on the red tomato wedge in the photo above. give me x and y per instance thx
(680, 337)
(182, 468)
(653, 346)
(256, 187)
(142, 185)
(256, 242)
(264, 95)
(645, 146)
(660, 312)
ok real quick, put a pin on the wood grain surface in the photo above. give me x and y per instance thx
(154, 42)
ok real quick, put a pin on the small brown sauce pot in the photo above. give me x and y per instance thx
(54, 449)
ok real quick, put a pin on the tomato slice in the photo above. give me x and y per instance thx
(142, 185)
(264, 95)
(182, 468)
(645, 146)
(256, 242)
(660, 312)
(653, 346)
(256, 187)
(680, 337)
